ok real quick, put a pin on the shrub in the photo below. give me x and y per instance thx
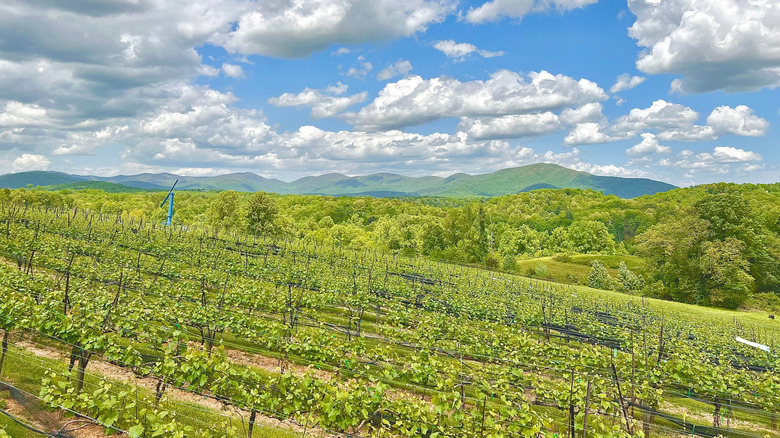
(627, 280)
(510, 263)
(598, 277)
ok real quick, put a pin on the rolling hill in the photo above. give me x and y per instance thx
(502, 182)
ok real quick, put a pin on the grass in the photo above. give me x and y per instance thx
(704, 316)
(574, 269)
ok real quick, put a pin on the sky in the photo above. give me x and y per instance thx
(683, 91)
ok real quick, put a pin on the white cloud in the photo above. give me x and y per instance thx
(82, 143)
(232, 70)
(459, 51)
(751, 167)
(21, 114)
(719, 162)
(512, 126)
(590, 112)
(498, 9)
(586, 133)
(30, 162)
(300, 28)
(323, 104)
(660, 115)
(733, 45)
(689, 133)
(79, 63)
(361, 70)
(341, 51)
(400, 68)
(739, 120)
(722, 120)
(414, 100)
(726, 154)
(572, 160)
(648, 145)
(201, 127)
(609, 170)
(207, 70)
(673, 122)
(626, 82)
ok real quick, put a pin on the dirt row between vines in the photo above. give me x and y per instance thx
(172, 394)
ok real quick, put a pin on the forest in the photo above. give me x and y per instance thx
(715, 245)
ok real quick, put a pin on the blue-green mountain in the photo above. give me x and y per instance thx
(502, 182)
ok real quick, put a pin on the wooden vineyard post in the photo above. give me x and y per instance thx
(482, 427)
(587, 406)
(571, 405)
(620, 398)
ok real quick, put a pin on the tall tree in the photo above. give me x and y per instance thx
(262, 214)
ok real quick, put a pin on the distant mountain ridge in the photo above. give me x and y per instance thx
(499, 183)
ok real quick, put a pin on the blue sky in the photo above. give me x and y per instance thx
(683, 91)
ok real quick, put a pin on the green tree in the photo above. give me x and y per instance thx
(598, 277)
(262, 214)
(730, 215)
(672, 250)
(725, 272)
(224, 212)
(590, 237)
(627, 280)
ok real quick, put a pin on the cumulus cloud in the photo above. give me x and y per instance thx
(30, 162)
(672, 122)
(297, 29)
(497, 9)
(414, 100)
(739, 120)
(733, 45)
(85, 142)
(361, 70)
(721, 161)
(722, 120)
(81, 65)
(727, 154)
(341, 51)
(459, 51)
(323, 103)
(590, 112)
(207, 70)
(586, 133)
(232, 70)
(571, 159)
(400, 68)
(20, 114)
(626, 82)
(648, 145)
(512, 126)
(661, 115)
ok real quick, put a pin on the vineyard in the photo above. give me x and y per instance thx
(152, 331)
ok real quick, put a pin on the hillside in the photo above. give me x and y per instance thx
(36, 178)
(497, 345)
(502, 182)
(107, 187)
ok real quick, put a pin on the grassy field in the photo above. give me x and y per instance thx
(573, 269)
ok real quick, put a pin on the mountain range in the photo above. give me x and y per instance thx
(499, 183)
